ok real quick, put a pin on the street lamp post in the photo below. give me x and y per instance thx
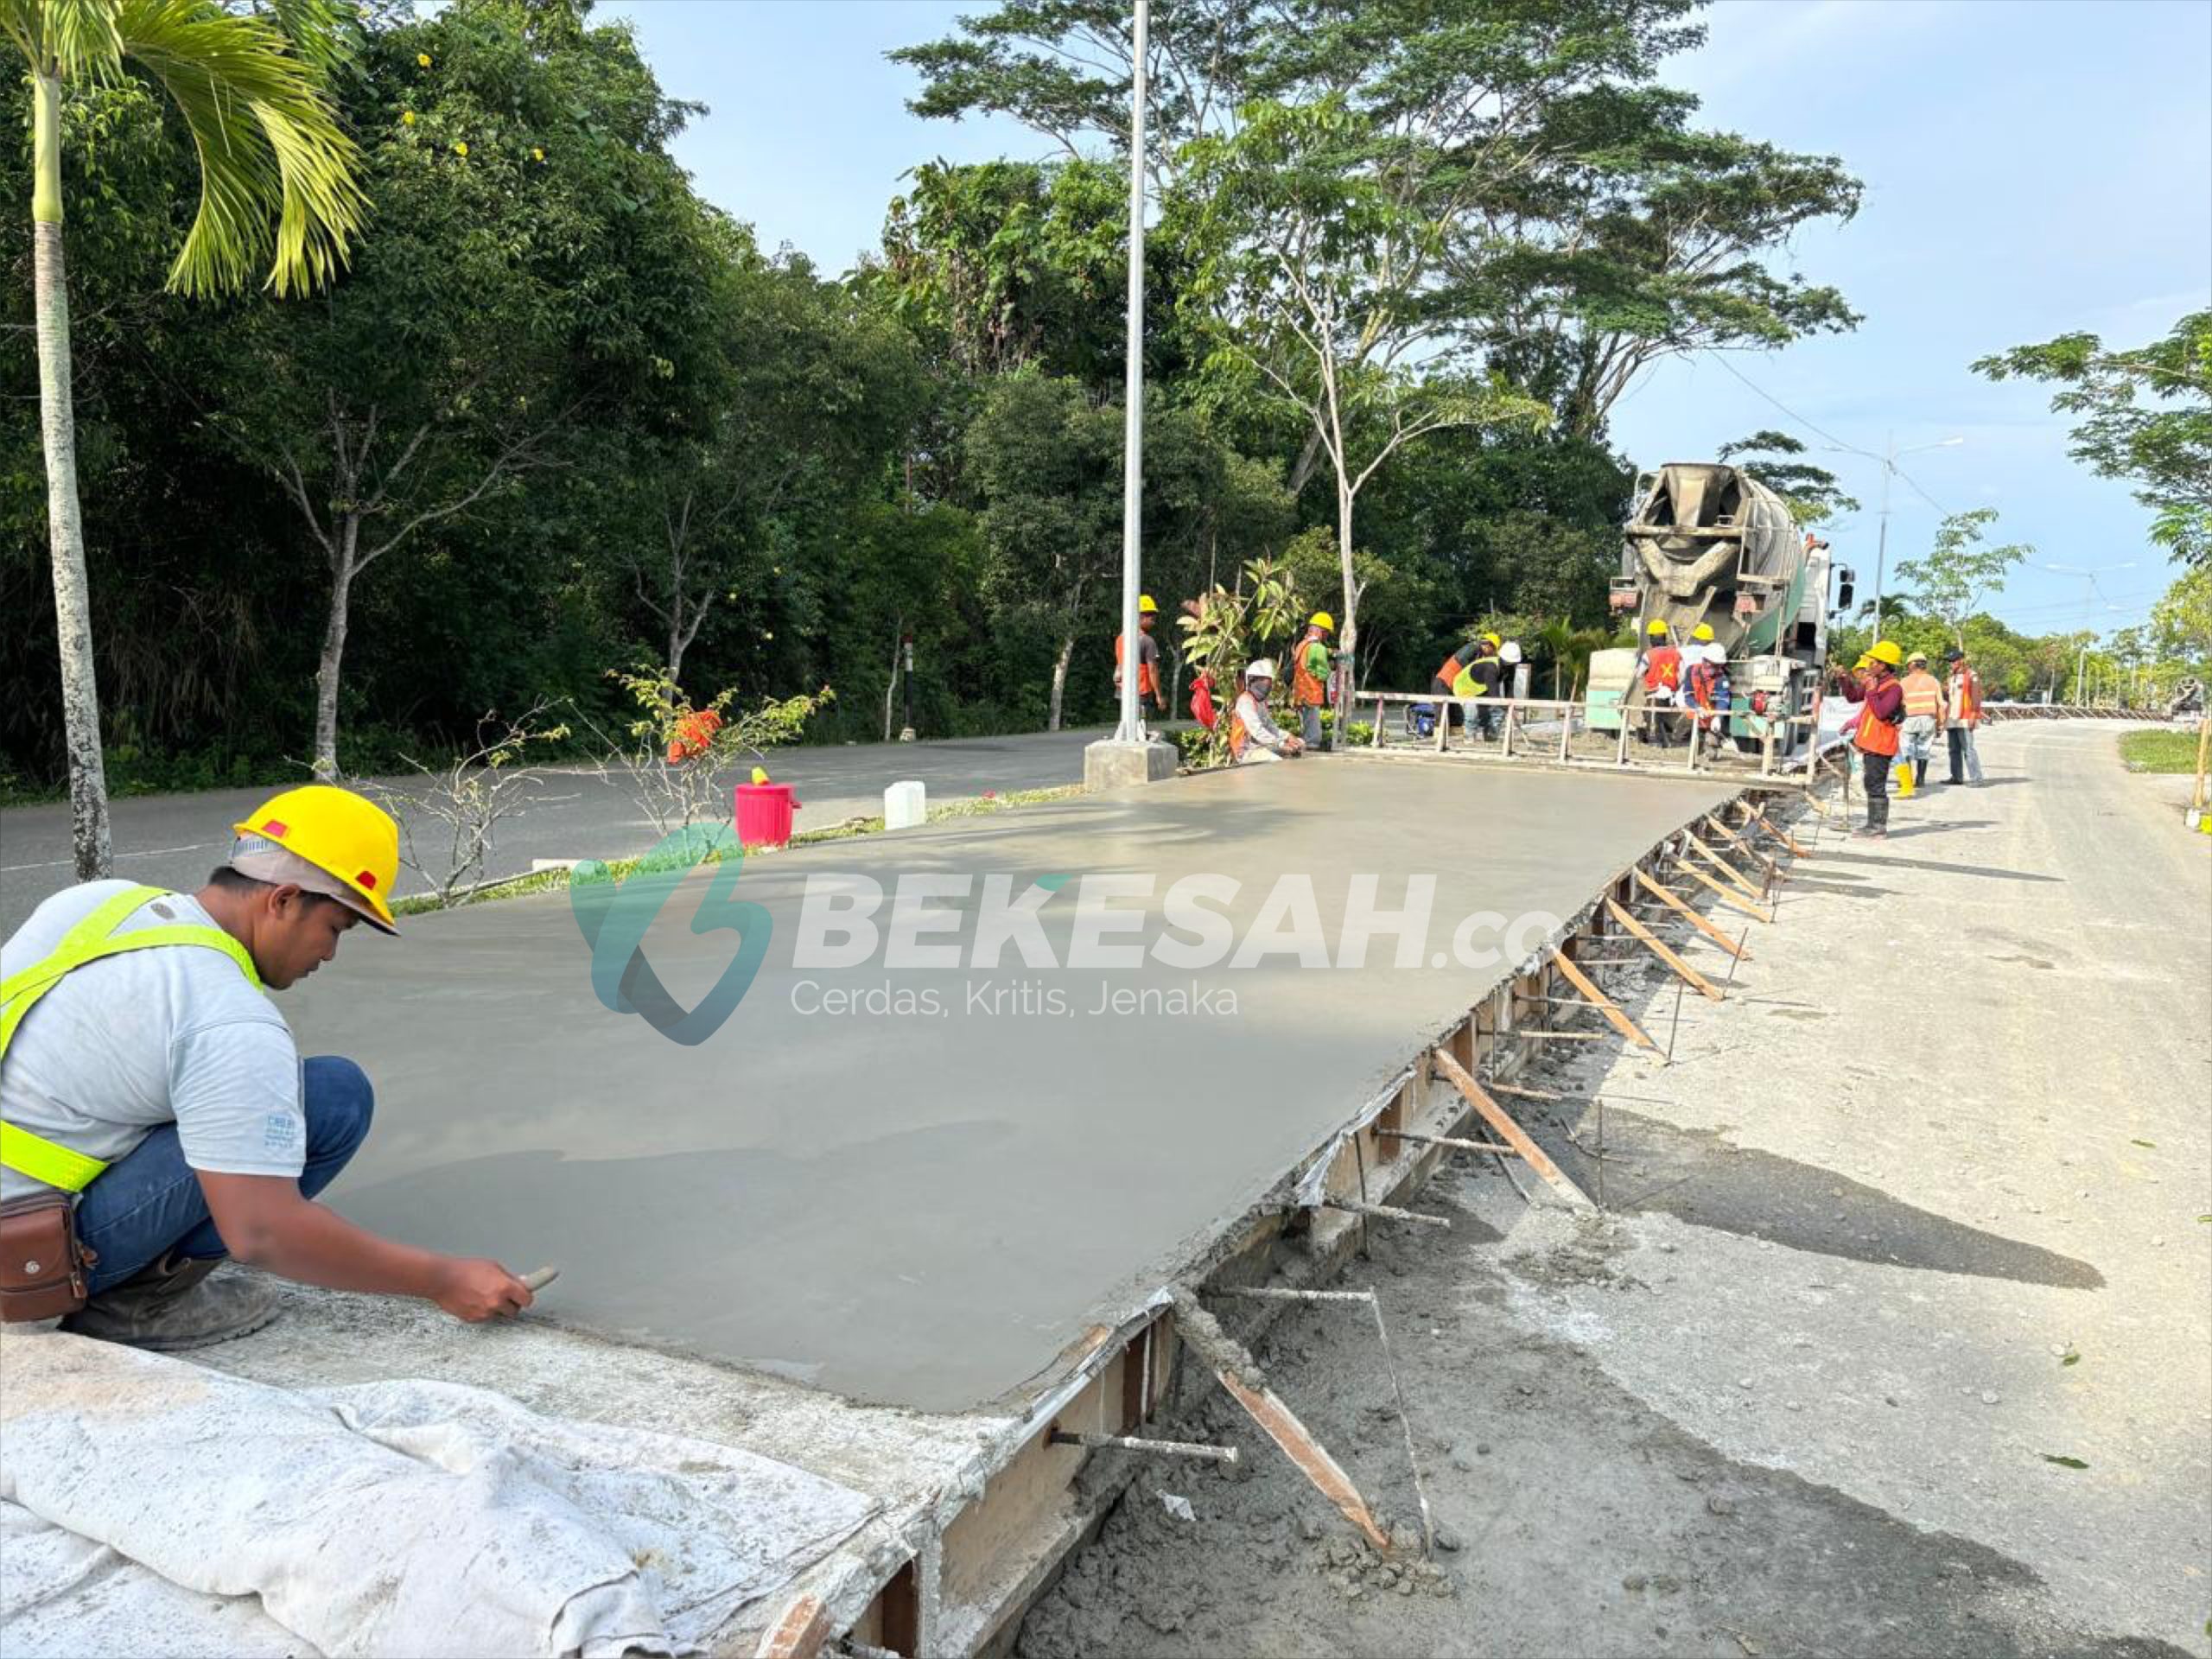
(2089, 576)
(1889, 460)
(1131, 729)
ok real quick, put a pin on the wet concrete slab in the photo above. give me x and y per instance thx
(921, 1201)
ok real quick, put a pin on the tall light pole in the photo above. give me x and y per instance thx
(1889, 460)
(1131, 729)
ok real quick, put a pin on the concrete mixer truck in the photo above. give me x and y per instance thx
(1709, 544)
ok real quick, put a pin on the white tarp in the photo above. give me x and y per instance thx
(146, 1502)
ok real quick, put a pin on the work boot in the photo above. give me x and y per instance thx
(173, 1304)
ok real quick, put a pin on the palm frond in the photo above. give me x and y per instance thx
(278, 179)
(79, 37)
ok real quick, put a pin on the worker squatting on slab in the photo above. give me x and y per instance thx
(155, 1117)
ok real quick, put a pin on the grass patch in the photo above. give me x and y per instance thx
(2158, 751)
(622, 869)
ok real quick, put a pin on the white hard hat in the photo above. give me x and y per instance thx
(1717, 654)
(1260, 668)
(1510, 651)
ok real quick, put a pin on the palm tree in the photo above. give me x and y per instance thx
(278, 186)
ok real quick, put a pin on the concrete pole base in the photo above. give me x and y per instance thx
(1111, 764)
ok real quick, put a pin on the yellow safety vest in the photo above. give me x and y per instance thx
(88, 941)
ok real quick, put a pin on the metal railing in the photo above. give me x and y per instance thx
(1548, 731)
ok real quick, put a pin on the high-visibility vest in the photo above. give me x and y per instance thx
(1922, 695)
(1872, 734)
(1146, 685)
(1239, 737)
(1305, 690)
(1663, 667)
(1966, 695)
(1449, 671)
(90, 940)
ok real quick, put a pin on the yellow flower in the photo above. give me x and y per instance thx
(461, 150)
(407, 118)
(422, 59)
(535, 154)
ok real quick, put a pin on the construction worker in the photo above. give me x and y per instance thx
(1149, 683)
(1448, 676)
(1923, 715)
(1706, 689)
(1254, 737)
(1963, 697)
(1660, 669)
(1874, 731)
(1476, 686)
(145, 1074)
(1309, 675)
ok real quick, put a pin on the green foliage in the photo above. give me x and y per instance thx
(1225, 629)
(2145, 415)
(1959, 572)
(1812, 493)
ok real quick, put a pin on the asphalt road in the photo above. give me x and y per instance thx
(173, 840)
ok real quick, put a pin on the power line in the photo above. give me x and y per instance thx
(1896, 471)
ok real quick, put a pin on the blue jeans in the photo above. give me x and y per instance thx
(149, 1202)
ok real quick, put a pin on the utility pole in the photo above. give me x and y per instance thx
(1131, 729)
(1130, 756)
(1889, 460)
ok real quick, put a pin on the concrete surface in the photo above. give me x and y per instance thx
(173, 840)
(1803, 1391)
(917, 1207)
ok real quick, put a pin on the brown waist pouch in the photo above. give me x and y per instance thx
(43, 1271)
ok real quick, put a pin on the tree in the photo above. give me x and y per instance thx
(539, 256)
(1812, 493)
(1960, 572)
(2180, 622)
(2145, 416)
(277, 188)
(1317, 275)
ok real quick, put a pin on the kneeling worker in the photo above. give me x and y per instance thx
(144, 1075)
(1254, 737)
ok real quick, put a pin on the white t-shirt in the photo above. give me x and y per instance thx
(124, 1044)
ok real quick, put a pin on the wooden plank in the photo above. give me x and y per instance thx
(1225, 1357)
(1742, 844)
(1757, 816)
(1605, 1005)
(1726, 895)
(1736, 876)
(1668, 897)
(799, 1632)
(1509, 1132)
(1689, 974)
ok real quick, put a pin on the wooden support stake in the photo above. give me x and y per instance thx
(1605, 1005)
(1758, 818)
(1227, 1359)
(1687, 974)
(1726, 895)
(1743, 844)
(1670, 898)
(1524, 1094)
(1445, 1141)
(1511, 1133)
(1735, 876)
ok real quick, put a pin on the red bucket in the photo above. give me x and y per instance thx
(764, 814)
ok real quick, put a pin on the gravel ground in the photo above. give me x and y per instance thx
(1911, 1218)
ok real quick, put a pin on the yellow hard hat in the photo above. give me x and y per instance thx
(1492, 640)
(1322, 620)
(1145, 607)
(341, 834)
(1703, 631)
(1655, 627)
(1885, 651)
(1863, 660)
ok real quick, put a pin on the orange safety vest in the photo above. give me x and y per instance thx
(1663, 667)
(1239, 737)
(1872, 734)
(1146, 684)
(1966, 695)
(1305, 690)
(1923, 695)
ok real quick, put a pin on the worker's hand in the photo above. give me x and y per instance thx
(473, 1289)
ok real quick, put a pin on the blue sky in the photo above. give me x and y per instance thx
(2032, 167)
